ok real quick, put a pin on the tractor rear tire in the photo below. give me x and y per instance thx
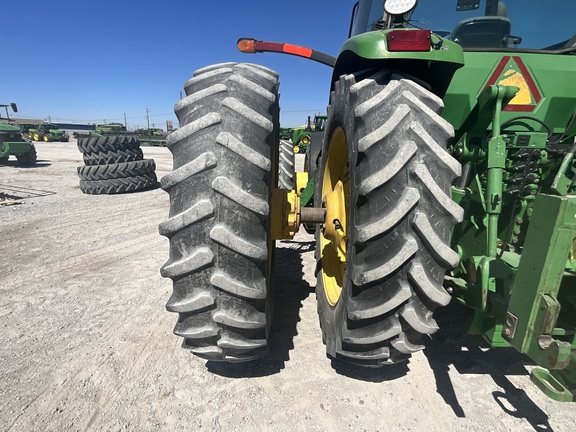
(286, 166)
(107, 144)
(312, 152)
(118, 170)
(221, 250)
(113, 157)
(119, 185)
(376, 305)
(29, 158)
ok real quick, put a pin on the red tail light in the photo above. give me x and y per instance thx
(408, 40)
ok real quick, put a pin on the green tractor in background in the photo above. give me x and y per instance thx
(285, 133)
(104, 129)
(49, 132)
(107, 129)
(27, 129)
(12, 143)
(302, 136)
(151, 136)
(446, 174)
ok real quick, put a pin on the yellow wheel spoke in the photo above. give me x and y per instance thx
(336, 199)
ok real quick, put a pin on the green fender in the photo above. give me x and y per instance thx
(370, 50)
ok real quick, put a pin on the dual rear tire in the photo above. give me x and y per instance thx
(380, 273)
(221, 252)
(381, 260)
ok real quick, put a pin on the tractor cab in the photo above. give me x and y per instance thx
(319, 122)
(476, 24)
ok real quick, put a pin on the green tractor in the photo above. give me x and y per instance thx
(27, 129)
(12, 143)
(446, 174)
(151, 137)
(104, 129)
(285, 133)
(302, 136)
(49, 132)
(107, 129)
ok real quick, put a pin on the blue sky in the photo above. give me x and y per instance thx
(96, 60)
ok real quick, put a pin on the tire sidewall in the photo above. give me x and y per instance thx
(340, 115)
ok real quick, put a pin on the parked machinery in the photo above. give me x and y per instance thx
(302, 136)
(48, 132)
(12, 143)
(446, 173)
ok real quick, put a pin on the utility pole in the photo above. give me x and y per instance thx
(147, 119)
(125, 124)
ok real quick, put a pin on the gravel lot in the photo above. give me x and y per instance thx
(86, 343)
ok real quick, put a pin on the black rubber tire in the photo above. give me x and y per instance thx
(221, 252)
(401, 213)
(119, 185)
(311, 161)
(118, 170)
(286, 166)
(103, 144)
(29, 158)
(113, 157)
(313, 150)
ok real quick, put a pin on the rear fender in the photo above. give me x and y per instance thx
(370, 51)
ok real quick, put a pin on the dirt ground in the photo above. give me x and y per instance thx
(86, 344)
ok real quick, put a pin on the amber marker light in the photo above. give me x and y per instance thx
(251, 46)
(247, 46)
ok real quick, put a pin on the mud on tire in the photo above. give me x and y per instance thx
(225, 165)
(401, 213)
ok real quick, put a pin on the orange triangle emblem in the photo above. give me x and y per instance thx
(511, 71)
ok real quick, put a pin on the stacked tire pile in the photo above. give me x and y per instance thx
(114, 164)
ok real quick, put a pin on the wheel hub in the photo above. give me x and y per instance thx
(334, 230)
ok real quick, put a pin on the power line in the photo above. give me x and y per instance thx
(308, 110)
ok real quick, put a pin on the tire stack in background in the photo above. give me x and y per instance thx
(114, 164)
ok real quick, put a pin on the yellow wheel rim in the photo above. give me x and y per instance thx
(46, 138)
(296, 149)
(36, 137)
(336, 199)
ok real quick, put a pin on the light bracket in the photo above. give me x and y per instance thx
(399, 7)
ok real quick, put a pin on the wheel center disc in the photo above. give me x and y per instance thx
(336, 200)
